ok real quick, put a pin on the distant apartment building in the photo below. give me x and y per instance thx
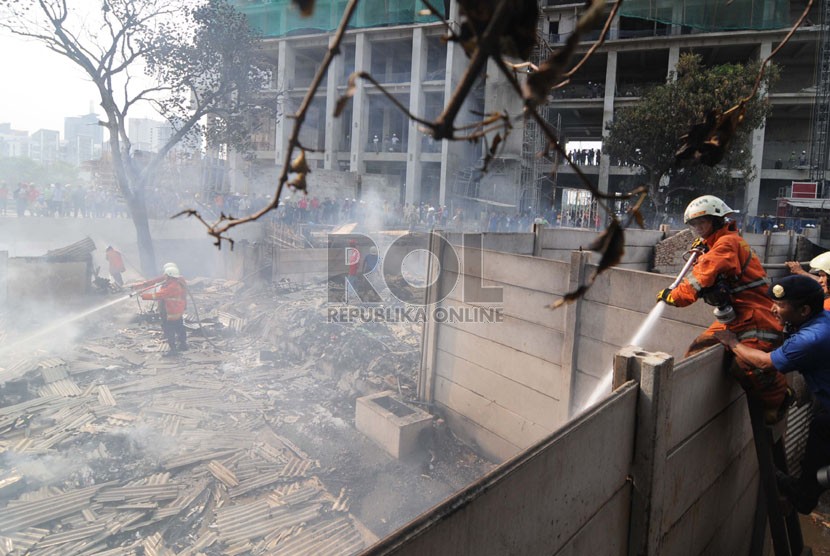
(44, 146)
(403, 49)
(14, 143)
(148, 135)
(83, 138)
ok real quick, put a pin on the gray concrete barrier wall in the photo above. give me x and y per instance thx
(501, 385)
(517, 243)
(505, 385)
(35, 280)
(558, 243)
(695, 472)
(566, 495)
(666, 467)
(609, 316)
(303, 266)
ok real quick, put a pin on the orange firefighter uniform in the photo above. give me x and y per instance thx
(173, 297)
(729, 259)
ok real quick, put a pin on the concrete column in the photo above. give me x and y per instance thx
(451, 150)
(416, 106)
(753, 186)
(333, 125)
(607, 117)
(677, 15)
(576, 278)
(360, 107)
(285, 83)
(674, 57)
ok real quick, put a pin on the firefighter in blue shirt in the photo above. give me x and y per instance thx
(798, 303)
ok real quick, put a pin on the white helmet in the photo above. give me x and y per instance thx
(708, 205)
(170, 269)
(821, 263)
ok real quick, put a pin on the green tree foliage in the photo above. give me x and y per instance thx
(16, 170)
(647, 134)
(193, 61)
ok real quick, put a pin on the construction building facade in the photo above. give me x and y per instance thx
(403, 49)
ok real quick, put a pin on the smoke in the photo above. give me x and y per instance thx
(48, 469)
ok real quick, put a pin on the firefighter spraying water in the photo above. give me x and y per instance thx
(725, 273)
(643, 332)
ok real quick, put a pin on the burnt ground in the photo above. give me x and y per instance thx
(246, 442)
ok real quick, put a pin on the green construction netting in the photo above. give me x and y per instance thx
(713, 15)
(275, 18)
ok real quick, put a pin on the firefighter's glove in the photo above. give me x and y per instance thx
(699, 245)
(665, 296)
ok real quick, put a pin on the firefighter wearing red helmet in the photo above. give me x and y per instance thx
(729, 276)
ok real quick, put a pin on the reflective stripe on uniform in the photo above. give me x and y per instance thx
(767, 335)
(754, 284)
(694, 283)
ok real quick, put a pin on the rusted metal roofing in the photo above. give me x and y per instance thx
(78, 251)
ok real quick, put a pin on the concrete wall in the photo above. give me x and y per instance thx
(670, 470)
(609, 316)
(501, 385)
(695, 471)
(566, 495)
(34, 279)
(504, 385)
(304, 266)
(182, 240)
(558, 243)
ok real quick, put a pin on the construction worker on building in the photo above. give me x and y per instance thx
(798, 305)
(172, 295)
(729, 276)
(819, 270)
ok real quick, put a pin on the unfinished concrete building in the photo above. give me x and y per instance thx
(402, 49)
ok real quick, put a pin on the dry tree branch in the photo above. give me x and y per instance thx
(784, 41)
(225, 223)
(599, 42)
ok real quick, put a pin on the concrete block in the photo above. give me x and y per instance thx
(391, 423)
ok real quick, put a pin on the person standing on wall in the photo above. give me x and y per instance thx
(730, 277)
(172, 295)
(116, 265)
(798, 305)
(819, 270)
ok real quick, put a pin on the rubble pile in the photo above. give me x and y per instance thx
(114, 450)
(669, 253)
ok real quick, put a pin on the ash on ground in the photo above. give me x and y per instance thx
(245, 444)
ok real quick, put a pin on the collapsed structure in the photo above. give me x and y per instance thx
(246, 444)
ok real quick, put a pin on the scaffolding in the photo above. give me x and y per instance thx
(712, 15)
(821, 106)
(534, 145)
(278, 18)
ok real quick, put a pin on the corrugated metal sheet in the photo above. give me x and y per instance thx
(19, 516)
(329, 538)
(798, 425)
(64, 387)
(78, 251)
(53, 373)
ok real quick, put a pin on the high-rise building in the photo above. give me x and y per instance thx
(44, 146)
(14, 143)
(402, 48)
(83, 136)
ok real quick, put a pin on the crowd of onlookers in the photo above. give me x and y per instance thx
(79, 201)
(27, 199)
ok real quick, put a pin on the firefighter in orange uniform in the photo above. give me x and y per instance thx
(173, 297)
(729, 276)
(116, 265)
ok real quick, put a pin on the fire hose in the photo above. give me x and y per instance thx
(195, 309)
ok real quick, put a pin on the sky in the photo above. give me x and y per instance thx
(39, 88)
